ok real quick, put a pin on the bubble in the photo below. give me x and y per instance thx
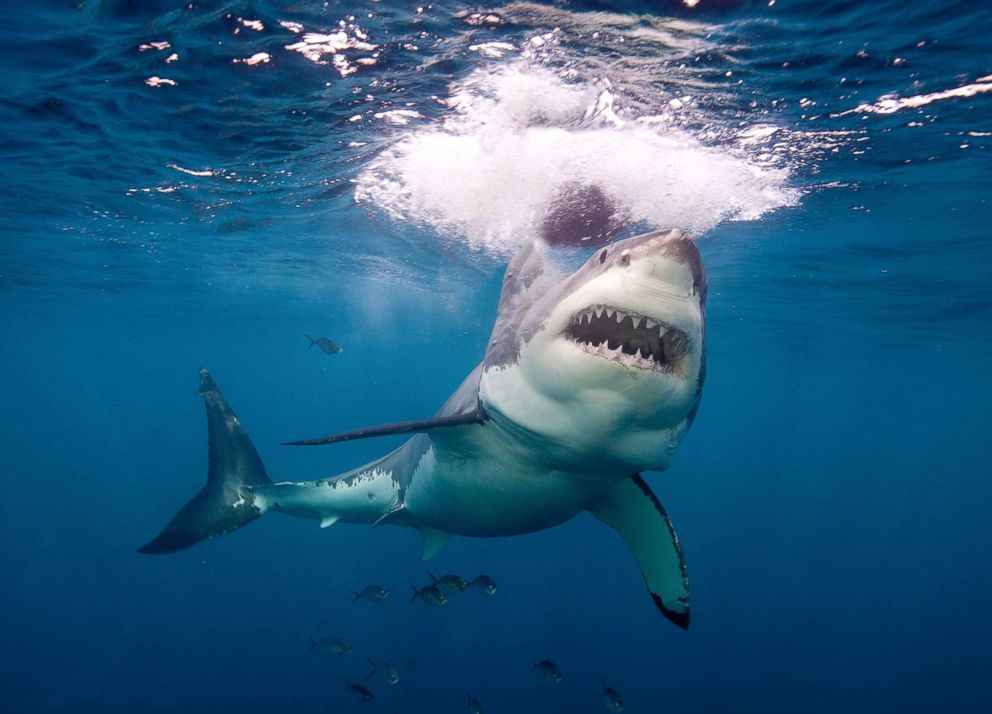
(525, 154)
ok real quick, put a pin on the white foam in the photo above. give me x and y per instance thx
(488, 172)
(892, 103)
(398, 117)
(160, 81)
(492, 49)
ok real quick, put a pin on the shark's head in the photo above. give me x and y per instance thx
(606, 364)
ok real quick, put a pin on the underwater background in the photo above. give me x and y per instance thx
(189, 184)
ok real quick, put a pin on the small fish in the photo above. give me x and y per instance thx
(549, 669)
(450, 583)
(329, 346)
(484, 584)
(388, 671)
(372, 593)
(330, 644)
(473, 706)
(359, 691)
(430, 593)
(612, 699)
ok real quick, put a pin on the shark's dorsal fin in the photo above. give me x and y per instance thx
(522, 273)
(417, 426)
(632, 509)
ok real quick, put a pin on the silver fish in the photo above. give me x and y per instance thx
(358, 690)
(388, 671)
(333, 645)
(450, 583)
(484, 584)
(430, 594)
(372, 593)
(549, 669)
(327, 345)
(612, 699)
(473, 706)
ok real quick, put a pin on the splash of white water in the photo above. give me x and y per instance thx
(515, 136)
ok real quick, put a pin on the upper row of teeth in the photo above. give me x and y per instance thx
(648, 323)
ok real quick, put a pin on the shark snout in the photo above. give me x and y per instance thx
(672, 244)
(683, 248)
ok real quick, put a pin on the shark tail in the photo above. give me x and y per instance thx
(312, 341)
(227, 502)
(357, 595)
(416, 593)
(375, 667)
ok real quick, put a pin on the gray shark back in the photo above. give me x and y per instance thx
(526, 279)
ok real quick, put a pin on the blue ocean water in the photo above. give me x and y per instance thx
(201, 184)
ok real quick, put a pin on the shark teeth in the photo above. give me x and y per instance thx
(634, 340)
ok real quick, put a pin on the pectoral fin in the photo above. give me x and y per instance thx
(434, 542)
(420, 426)
(633, 510)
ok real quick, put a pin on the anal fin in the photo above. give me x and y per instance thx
(636, 513)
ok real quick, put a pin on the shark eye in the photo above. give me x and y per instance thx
(602, 257)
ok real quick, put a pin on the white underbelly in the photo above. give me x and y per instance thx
(495, 494)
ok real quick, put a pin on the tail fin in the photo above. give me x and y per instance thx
(226, 503)
(416, 593)
(433, 579)
(313, 643)
(375, 667)
(357, 595)
(312, 341)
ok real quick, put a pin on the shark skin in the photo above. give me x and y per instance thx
(589, 379)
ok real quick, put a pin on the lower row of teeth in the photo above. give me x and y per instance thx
(604, 349)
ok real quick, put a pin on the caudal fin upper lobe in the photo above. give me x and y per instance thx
(226, 502)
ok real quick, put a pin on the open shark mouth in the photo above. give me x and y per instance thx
(629, 338)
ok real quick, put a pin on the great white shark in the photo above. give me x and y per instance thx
(589, 379)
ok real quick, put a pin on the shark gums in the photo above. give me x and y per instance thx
(589, 378)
